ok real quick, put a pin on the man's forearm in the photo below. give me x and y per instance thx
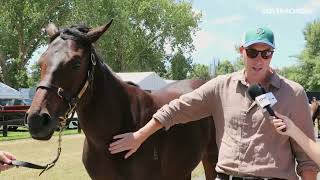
(151, 127)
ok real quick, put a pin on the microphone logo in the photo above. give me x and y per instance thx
(266, 99)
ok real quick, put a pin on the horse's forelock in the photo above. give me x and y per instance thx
(75, 32)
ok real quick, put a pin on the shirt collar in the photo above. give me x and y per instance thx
(274, 79)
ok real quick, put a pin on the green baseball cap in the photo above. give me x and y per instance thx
(259, 35)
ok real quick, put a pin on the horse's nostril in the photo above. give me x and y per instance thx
(45, 119)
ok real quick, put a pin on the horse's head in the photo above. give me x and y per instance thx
(66, 67)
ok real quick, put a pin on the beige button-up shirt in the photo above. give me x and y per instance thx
(247, 141)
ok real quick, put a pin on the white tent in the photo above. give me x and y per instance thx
(7, 92)
(146, 80)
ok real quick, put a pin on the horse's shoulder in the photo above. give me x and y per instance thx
(183, 86)
(175, 90)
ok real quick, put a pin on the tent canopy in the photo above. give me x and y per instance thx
(7, 92)
(146, 80)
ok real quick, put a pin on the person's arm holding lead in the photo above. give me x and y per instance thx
(307, 144)
(5, 160)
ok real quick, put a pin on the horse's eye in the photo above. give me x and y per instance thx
(76, 65)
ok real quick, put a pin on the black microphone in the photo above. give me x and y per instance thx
(256, 90)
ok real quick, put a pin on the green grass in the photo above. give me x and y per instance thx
(22, 133)
(69, 166)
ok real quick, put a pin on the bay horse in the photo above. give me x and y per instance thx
(73, 76)
(315, 113)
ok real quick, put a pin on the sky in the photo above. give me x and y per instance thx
(224, 22)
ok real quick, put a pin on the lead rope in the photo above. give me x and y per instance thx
(44, 168)
(50, 165)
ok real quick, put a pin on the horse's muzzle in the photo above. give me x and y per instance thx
(41, 125)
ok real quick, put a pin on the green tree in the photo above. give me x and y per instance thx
(180, 66)
(199, 71)
(35, 75)
(238, 64)
(224, 67)
(135, 41)
(20, 29)
(312, 37)
(307, 70)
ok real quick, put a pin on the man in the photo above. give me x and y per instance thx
(249, 145)
(5, 160)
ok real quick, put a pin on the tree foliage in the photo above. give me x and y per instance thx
(224, 67)
(180, 66)
(20, 28)
(238, 64)
(199, 71)
(307, 70)
(135, 41)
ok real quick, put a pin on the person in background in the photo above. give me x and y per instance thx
(307, 144)
(249, 146)
(5, 160)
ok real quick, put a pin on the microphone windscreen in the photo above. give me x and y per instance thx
(255, 90)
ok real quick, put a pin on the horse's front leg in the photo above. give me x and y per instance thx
(97, 164)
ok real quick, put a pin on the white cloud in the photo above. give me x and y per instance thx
(312, 5)
(227, 20)
(202, 39)
(210, 40)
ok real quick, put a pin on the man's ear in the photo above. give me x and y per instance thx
(241, 49)
(51, 30)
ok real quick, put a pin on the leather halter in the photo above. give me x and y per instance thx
(72, 102)
(67, 97)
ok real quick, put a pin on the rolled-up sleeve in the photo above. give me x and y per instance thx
(188, 107)
(302, 118)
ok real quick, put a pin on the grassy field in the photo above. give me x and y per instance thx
(22, 133)
(69, 165)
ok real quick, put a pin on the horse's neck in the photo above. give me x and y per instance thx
(104, 109)
(142, 106)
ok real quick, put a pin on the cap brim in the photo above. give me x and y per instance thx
(259, 41)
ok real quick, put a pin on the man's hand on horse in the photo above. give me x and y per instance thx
(126, 142)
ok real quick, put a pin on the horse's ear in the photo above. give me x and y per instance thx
(95, 33)
(51, 30)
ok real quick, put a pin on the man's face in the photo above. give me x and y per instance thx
(257, 64)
